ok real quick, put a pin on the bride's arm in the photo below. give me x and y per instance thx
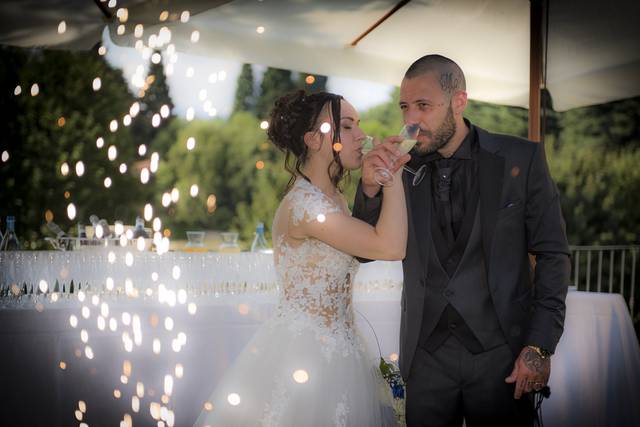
(387, 240)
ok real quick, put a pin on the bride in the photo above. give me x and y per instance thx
(307, 365)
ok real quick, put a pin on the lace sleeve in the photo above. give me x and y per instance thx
(308, 204)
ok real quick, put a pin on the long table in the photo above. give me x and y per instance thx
(46, 368)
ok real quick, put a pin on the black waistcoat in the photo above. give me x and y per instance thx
(457, 297)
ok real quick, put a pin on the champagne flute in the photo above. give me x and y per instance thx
(384, 176)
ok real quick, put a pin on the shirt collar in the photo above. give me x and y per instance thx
(464, 151)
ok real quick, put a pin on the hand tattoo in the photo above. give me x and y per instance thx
(535, 363)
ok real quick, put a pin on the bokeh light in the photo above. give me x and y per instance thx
(233, 399)
(144, 175)
(71, 211)
(112, 152)
(325, 127)
(79, 168)
(300, 376)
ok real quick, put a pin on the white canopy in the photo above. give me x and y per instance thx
(593, 48)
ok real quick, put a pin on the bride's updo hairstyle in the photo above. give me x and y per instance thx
(292, 117)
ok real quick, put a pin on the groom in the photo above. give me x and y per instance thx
(479, 324)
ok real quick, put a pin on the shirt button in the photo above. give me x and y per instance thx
(448, 293)
(452, 325)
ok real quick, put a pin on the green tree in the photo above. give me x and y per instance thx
(385, 119)
(498, 118)
(600, 192)
(275, 83)
(224, 164)
(613, 125)
(245, 94)
(155, 96)
(61, 125)
(312, 83)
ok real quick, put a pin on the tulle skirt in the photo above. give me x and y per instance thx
(293, 375)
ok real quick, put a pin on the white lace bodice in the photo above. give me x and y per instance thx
(316, 278)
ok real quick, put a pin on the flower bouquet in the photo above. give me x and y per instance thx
(391, 373)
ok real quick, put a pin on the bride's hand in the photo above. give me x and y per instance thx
(383, 155)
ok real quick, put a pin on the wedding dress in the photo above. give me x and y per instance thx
(307, 365)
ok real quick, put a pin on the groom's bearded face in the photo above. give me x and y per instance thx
(431, 141)
(423, 101)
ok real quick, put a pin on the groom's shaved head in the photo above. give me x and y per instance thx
(449, 74)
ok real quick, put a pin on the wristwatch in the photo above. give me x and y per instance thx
(544, 354)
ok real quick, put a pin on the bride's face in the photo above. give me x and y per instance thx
(351, 137)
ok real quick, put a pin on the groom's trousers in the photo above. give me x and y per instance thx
(451, 384)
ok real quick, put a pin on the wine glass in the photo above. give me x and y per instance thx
(384, 176)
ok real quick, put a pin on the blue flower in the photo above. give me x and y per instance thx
(397, 390)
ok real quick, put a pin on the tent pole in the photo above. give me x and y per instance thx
(535, 68)
(105, 11)
(397, 7)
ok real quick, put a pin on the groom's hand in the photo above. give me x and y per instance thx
(530, 372)
(383, 155)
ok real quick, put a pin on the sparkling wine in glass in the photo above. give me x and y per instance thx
(409, 134)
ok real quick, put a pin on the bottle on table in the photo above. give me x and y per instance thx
(106, 230)
(94, 222)
(260, 242)
(81, 240)
(10, 240)
(139, 230)
(82, 231)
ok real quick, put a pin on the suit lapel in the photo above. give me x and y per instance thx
(490, 177)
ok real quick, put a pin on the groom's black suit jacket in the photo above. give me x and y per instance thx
(519, 214)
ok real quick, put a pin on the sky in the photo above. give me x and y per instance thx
(208, 85)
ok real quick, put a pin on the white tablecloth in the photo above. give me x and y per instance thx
(595, 373)
(595, 378)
